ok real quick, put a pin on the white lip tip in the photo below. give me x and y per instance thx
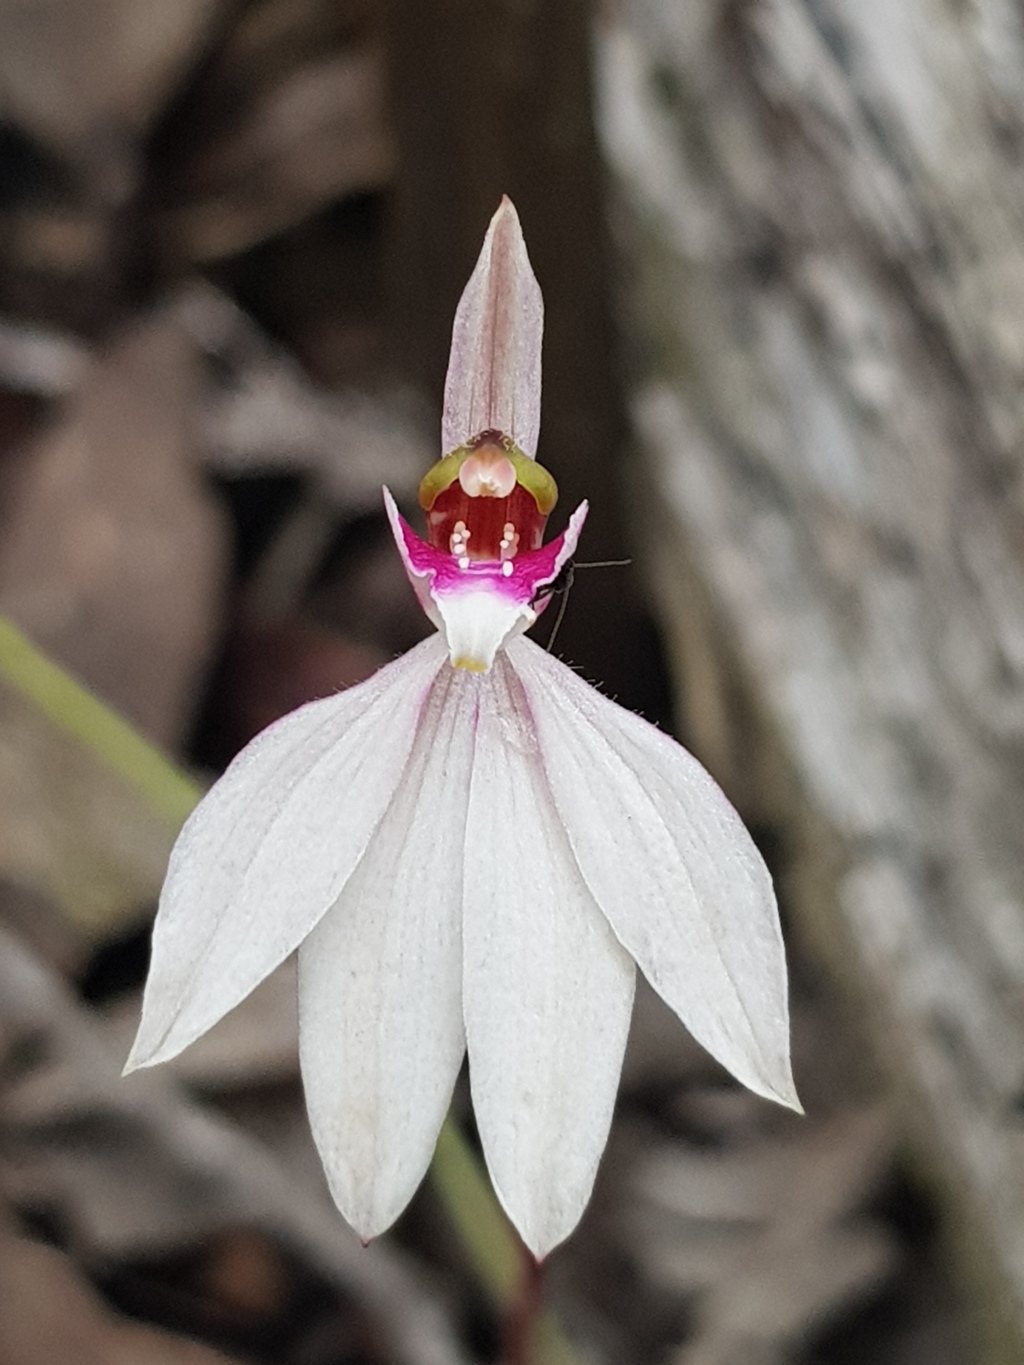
(471, 665)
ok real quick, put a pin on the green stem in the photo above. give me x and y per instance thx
(486, 1234)
(75, 710)
(491, 1243)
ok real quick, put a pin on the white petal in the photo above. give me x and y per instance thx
(548, 990)
(672, 867)
(271, 845)
(493, 381)
(380, 979)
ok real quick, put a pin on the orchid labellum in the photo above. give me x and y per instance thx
(473, 850)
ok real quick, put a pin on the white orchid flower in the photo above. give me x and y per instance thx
(471, 850)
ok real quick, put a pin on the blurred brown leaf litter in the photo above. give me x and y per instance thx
(231, 240)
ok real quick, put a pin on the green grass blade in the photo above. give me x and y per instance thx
(76, 711)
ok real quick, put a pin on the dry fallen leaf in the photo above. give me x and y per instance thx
(765, 1237)
(316, 135)
(113, 555)
(83, 76)
(261, 412)
(49, 1315)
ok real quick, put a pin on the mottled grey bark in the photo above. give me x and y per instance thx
(820, 207)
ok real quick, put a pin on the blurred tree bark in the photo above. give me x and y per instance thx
(820, 206)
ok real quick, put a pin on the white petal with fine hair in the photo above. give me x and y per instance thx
(270, 846)
(380, 979)
(548, 990)
(493, 381)
(672, 867)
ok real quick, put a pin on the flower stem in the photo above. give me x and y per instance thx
(521, 1338)
(486, 1234)
(505, 1268)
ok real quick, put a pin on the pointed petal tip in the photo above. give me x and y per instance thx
(541, 1242)
(147, 1054)
(791, 1100)
(363, 1209)
(393, 515)
(768, 1077)
(506, 210)
(767, 1069)
(399, 526)
(539, 1237)
(787, 1092)
(541, 1248)
(779, 1089)
(505, 225)
(140, 1056)
(577, 520)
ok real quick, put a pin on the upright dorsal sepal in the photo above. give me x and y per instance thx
(493, 379)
